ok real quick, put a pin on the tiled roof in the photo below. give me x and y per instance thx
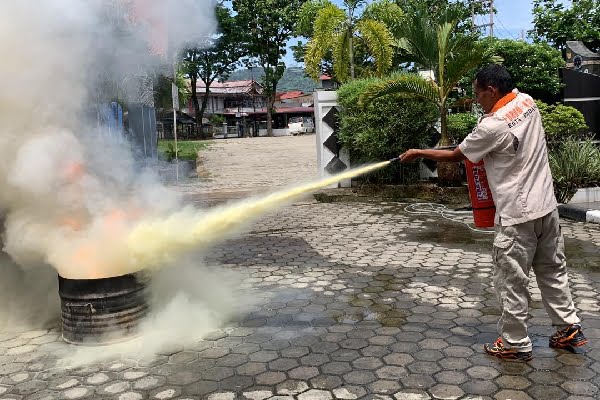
(290, 95)
(233, 87)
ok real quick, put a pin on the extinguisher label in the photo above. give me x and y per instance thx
(480, 180)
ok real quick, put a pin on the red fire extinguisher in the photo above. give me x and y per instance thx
(482, 202)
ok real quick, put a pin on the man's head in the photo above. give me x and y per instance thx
(491, 83)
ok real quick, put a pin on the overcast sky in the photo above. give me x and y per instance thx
(513, 17)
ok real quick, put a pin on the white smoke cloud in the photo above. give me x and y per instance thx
(69, 190)
(63, 180)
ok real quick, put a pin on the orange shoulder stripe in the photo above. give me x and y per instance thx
(504, 101)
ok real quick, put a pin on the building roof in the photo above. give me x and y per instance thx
(232, 87)
(580, 48)
(281, 110)
(290, 95)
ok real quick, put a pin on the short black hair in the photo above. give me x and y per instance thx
(495, 75)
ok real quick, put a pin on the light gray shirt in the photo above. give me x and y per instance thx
(512, 144)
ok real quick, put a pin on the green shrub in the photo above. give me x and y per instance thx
(574, 164)
(562, 122)
(186, 149)
(170, 152)
(460, 125)
(387, 127)
(216, 119)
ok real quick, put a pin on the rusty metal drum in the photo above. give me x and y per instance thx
(101, 311)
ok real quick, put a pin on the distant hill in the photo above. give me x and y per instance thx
(293, 78)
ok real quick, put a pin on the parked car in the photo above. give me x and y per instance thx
(300, 125)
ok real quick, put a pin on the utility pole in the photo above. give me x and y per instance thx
(490, 4)
(175, 96)
(492, 18)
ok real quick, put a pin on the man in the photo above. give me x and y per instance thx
(510, 139)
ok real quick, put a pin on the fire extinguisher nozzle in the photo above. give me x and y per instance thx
(395, 159)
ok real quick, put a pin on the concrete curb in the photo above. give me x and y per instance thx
(579, 212)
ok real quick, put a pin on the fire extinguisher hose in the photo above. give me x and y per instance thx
(441, 210)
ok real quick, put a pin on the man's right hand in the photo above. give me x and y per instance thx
(410, 155)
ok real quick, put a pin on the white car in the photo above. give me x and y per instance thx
(300, 125)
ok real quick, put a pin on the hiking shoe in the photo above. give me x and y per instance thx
(568, 338)
(497, 349)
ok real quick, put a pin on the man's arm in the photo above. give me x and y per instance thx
(437, 155)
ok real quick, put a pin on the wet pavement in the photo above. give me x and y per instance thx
(358, 300)
(363, 301)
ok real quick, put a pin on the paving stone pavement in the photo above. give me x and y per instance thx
(365, 301)
(362, 301)
(254, 164)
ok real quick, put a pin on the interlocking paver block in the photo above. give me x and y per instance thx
(384, 386)
(391, 372)
(149, 382)
(315, 359)
(417, 381)
(480, 387)
(303, 373)
(315, 394)
(80, 392)
(270, 378)
(359, 377)
(183, 357)
(512, 395)
(27, 388)
(539, 392)
(483, 372)
(513, 382)
(165, 393)
(328, 382)
(371, 363)
(263, 356)
(412, 395)
(580, 388)
(449, 392)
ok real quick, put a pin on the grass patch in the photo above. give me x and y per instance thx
(418, 192)
(187, 149)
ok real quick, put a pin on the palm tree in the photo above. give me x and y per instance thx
(335, 31)
(433, 46)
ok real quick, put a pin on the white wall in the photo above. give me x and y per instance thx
(324, 102)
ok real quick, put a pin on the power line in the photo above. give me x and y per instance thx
(507, 31)
(490, 4)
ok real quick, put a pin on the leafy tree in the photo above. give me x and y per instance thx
(305, 27)
(441, 10)
(293, 78)
(562, 122)
(555, 23)
(336, 34)
(270, 24)
(307, 15)
(533, 66)
(460, 125)
(435, 47)
(385, 128)
(217, 57)
(163, 95)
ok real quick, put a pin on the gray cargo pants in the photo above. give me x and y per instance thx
(536, 244)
